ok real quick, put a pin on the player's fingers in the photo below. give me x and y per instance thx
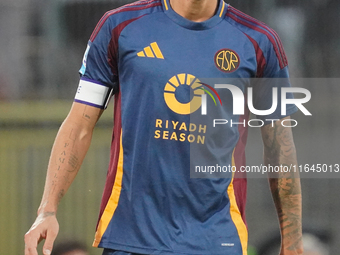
(48, 245)
(31, 250)
(30, 244)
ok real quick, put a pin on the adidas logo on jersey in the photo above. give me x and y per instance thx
(151, 51)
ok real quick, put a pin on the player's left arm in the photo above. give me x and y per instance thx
(279, 150)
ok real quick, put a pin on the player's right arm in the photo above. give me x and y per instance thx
(68, 152)
(99, 80)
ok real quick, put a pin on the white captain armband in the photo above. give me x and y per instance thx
(93, 93)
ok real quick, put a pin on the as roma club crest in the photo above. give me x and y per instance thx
(227, 60)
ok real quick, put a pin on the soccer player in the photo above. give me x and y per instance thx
(150, 54)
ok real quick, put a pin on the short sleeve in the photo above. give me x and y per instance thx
(99, 62)
(275, 75)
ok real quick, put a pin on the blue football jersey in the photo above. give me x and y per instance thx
(154, 61)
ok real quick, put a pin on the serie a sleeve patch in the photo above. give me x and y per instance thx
(93, 93)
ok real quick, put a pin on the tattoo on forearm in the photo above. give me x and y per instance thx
(86, 115)
(67, 161)
(279, 149)
(61, 194)
(73, 162)
(48, 214)
(72, 136)
(287, 199)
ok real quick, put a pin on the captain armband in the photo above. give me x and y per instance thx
(93, 93)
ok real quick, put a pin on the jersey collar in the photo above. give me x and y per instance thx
(213, 21)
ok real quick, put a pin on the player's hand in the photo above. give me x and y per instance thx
(45, 227)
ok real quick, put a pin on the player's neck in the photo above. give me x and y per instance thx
(195, 10)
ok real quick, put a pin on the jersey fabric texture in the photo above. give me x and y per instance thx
(152, 58)
(113, 252)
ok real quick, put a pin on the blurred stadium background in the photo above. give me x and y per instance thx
(42, 44)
